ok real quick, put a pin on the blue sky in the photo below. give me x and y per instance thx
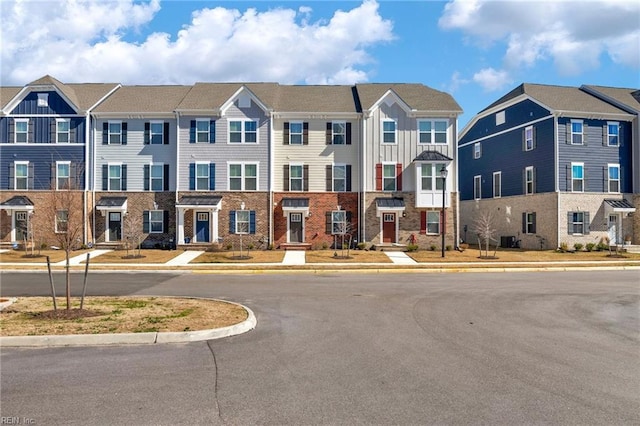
(476, 50)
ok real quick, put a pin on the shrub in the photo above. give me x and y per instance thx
(448, 247)
(270, 247)
(590, 246)
(325, 246)
(362, 246)
(250, 246)
(412, 247)
(433, 247)
(578, 246)
(43, 246)
(564, 247)
(229, 246)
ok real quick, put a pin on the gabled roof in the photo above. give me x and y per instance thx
(17, 201)
(622, 97)
(212, 96)
(325, 99)
(144, 99)
(394, 202)
(7, 94)
(432, 156)
(199, 200)
(559, 98)
(111, 202)
(417, 96)
(294, 202)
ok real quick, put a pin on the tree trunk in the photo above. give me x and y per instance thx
(68, 277)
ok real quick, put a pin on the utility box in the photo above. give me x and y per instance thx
(507, 242)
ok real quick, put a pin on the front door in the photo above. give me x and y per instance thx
(295, 228)
(22, 225)
(388, 227)
(202, 227)
(115, 226)
(613, 229)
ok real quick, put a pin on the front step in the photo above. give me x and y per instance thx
(295, 246)
(390, 247)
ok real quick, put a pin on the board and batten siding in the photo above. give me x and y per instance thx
(221, 152)
(317, 154)
(41, 129)
(406, 148)
(135, 154)
(56, 105)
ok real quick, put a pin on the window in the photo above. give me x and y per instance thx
(528, 138)
(433, 222)
(576, 132)
(115, 177)
(477, 150)
(613, 134)
(115, 132)
(21, 177)
(21, 131)
(614, 177)
(432, 131)
(62, 221)
(242, 221)
(295, 133)
(243, 131)
(156, 134)
(497, 184)
(477, 187)
(156, 221)
(296, 177)
(202, 176)
(340, 178)
(388, 131)
(430, 177)
(156, 177)
(63, 175)
(529, 223)
(203, 130)
(62, 131)
(529, 180)
(338, 222)
(388, 177)
(500, 118)
(43, 100)
(577, 177)
(577, 223)
(338, 132)
(243, 177)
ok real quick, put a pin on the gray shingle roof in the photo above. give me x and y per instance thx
(17, 201)
(620, 204)
(211, 96)
(416, 96)
(295, 202)
(316, 99)
(149, 99)
(7, 94)
(390, 202)
(199, 200)
(432, 156)
(111, 202)
(82, 95)
(625, 96)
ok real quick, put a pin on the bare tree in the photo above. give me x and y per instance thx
(344, 231)
(133, 231)
(484, 228)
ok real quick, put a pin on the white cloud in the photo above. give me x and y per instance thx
(72, 41)
(574, 35)
(491, 79)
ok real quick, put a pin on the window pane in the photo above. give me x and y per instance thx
(614, 173)
(295, 128)
(251, 170)
(235, 170)
(296, 171)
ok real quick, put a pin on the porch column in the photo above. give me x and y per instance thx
(214, 225)
(180, 226)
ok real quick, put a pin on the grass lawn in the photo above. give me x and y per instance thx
(54, 256)
(517, 255)
(355, 256)
(149, 256)
(33, 316)
(255, 256)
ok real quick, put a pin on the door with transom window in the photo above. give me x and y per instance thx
(388, 227)
(22, 225)
(202, 227)
(115, 226)
(295, 228)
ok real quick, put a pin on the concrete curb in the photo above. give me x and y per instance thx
(133, 338)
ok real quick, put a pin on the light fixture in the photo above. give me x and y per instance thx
(242, 206)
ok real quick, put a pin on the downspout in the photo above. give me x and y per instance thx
(456, 187)
(270, 179)
(85, 200)
(177, 179)
(363, 182)
(556, 167)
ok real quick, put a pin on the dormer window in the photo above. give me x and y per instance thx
(43, 100)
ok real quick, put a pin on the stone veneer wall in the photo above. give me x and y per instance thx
(315, 225)
(507, 221)
(409, 225)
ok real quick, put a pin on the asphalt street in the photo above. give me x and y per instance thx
(353, 348)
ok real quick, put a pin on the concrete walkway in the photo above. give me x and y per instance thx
(77, 260)
(294, 257)
(184, 258)
(400, 258)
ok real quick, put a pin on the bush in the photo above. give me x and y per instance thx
(578, 246)
(250, 246)
(325, 246)
(564, 247)
(433, 247)
(362, 246)
(271, 246)
(590, 246)
(448, 247)
(229, 246)
(412, 247)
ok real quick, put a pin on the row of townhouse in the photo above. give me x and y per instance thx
(210, 162)
(553, 165)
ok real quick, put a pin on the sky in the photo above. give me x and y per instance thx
(476, 50)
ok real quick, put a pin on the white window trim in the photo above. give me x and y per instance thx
(15, 130)
(151, 231)
(68, 163)
(581, 179)
(56, 221)
(500, 118)
(334, 134)
(109, 176)
(581, 132)
(527, 216)
(15, 175)
(207, 163)
(527, 181)
(477, 195)
(528, 140)
(68, 132)
(238, 222)
(438, 214)
(296, 133)
(243, 132)
(395, 177)
(333, 177)
(477, 150)
(109, 123)
(433, 131)
(243, 175)
(337, 222)
(151, 123)
(301, 165)
(43, 100)
(151, 178)
(609, 180)
(573, 223)
(613, 123)
(395, 132)
(499, 175)
(207, 132)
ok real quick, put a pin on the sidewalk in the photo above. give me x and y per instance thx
(77, 260)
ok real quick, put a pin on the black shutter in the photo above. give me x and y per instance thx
(587, 223)
(123, 177)
(73, 176)
(328, 227)
(252, 222)
(31, 132)
(105, 133)
(570, 223)
(212, 176)
(147, 133)
(285, 133)
(146, 178)
(348, 133)
(192, 176)
(165, 221)
(348, 178)
(305, 177)
(53, 131)
(11, 176)
(192, 132)
(305, 133)
(524, 222)
(73, 125)
(212, 131)
(329, 177)
(31, 179)
(105, 177)
(232, 222)
(329, 133)
(165, 175)
(124, 133)
(286, 177)
(52, 176)
(585, 134)
(533, 222)
(165, 133)
(605, 134)
(145, 222)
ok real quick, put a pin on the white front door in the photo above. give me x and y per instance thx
(614, 229)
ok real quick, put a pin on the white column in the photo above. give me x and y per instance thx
(180, 225)
(214, 225)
